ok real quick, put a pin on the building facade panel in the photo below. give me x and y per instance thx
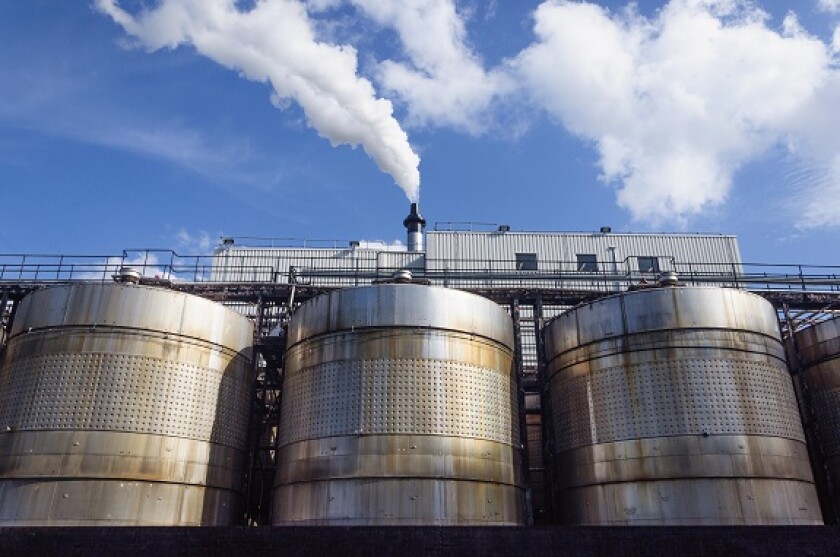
(558, 251)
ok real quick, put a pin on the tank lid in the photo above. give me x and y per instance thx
(140, 307)
(401, 305)
(661, 309)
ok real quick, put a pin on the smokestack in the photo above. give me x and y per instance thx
(414, 224)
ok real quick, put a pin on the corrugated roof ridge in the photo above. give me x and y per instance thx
(579, 233)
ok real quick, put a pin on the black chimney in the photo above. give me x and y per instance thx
(414, 223)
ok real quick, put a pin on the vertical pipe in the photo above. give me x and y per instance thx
(545, 410)
(523, 424)
(251, 510)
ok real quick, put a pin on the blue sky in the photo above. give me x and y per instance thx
(119, 130)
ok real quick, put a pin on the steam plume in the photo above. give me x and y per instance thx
(274, 42)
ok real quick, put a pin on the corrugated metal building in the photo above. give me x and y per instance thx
(495, 259)
(575, 259)
(573, 251)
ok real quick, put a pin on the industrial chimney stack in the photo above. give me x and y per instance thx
(414, 223)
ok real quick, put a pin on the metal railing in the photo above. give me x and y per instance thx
(356, 268)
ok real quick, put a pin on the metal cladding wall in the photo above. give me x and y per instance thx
(123, 405)
(399, 408)
(674, 406)
(819, 355)
(557, 251)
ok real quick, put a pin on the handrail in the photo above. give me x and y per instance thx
(355, 268)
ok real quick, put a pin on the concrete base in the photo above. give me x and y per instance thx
(381, 542)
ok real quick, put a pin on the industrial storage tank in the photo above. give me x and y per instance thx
(123, 404)
(818, 349)
(674, 406)
(399, 407)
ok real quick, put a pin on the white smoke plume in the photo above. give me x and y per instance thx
(274, 42)
(675, 104)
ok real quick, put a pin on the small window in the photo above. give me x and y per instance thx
(648, 264)
(526, 261)
(587, 263)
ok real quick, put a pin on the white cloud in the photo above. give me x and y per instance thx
(677, 103)
(274, 42)
(444, 82)
(831, 6)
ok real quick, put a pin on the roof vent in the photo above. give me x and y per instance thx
(402, 276)
(606, 230)
(668, 278)
(128, 275)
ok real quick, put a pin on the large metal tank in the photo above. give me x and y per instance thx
(399, 406)
(674, 406)
(123, 404)
(818, 349)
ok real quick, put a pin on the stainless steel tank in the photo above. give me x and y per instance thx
(399, 406)
(123, 405)
(674, 406)
(819, 356)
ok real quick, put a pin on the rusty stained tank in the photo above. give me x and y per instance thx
(123, 404)
(674, 406)
(819, 357)
(399, 407)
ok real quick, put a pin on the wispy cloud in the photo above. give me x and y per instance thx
(816, 189)
(74, 103)
(830, 6)
(231, 162)
(200, 242)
